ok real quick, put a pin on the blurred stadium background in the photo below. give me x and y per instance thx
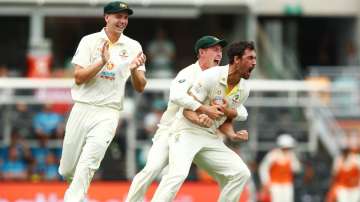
(306, 84)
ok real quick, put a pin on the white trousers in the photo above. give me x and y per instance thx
(282, 193)
(211, 154)
(89, 131)
(157, 160)
(348, 194)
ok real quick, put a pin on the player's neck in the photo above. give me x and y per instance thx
(233, 76)
(203, 65)
(113, 36)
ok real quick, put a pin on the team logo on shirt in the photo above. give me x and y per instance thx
(236, 99)
(123, 53)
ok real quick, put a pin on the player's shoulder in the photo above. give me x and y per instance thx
(130, 41)
(189, 68)
(216, 70)
(244, 85)
(91, 37)
(214, 73)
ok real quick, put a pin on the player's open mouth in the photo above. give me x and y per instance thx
(217, 61)
(120, 27)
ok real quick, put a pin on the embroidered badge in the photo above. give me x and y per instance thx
(122, 5)
(236, 99)
(123, 53)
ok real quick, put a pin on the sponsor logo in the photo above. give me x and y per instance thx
(110, 66)
(107, 75)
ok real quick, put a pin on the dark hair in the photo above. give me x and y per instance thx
(238, 49)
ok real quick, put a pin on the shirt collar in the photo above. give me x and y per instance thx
(224, 77)
(121, 39)
(197, 66)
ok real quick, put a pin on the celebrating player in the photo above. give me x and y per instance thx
(190, 142)
(103, 62)
(209, 53)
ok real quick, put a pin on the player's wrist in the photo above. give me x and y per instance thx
(201, 109)
(133, 68)
(100, 63)
(103, 61)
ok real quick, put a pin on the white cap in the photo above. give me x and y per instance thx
(286, 141)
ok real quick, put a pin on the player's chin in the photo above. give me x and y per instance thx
(216, 63)
(119, 30)
(246, 76)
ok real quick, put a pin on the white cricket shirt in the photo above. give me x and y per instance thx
(107, 88)
(179, 96)
(212, 85)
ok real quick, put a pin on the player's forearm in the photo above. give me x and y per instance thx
(202, 109)
(201, 120)
(227, 129)
(180, 96)
(191, 116)
(83, 75)
(138, 80)
(230, 113)
(185, 100)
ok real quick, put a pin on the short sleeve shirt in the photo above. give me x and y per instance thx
(108, 86)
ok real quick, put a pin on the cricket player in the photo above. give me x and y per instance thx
(103, 62)
(277, 168)
(209, 53)
(189, 141)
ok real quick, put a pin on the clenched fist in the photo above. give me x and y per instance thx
(241, 135)
(205, 121)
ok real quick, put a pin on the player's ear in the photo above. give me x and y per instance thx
(237, 58)
(106, 17)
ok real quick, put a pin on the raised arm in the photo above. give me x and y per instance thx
(85, 71)
(138, 78)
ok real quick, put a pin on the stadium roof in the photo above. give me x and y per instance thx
(143, 8)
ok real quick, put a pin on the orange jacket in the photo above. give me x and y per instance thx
(278, 167)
